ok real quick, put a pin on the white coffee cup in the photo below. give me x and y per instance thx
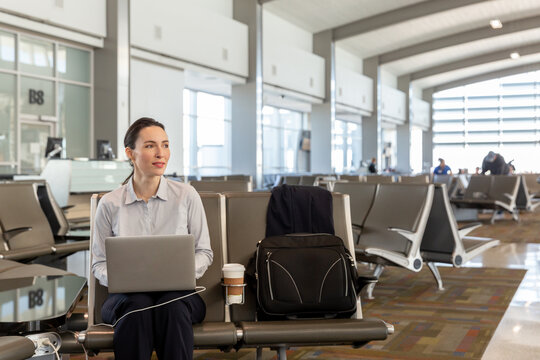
(233, 274)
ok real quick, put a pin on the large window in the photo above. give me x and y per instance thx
(52, 85)
(207, 134)
(501, 115)
(284, 141)
(347, 147)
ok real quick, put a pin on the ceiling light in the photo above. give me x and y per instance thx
(515, 55)
(495, 24)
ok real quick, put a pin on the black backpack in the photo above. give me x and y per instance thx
(305, 275)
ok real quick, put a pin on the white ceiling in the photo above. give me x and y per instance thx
(451, 76)
(319, 15)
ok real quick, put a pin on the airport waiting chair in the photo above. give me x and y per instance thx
(393, 230)
(214, 178)
(444, 242)
(239, 177)
(361, 197)
(453, 184)
(353, 178)
(309, 180)
(25, 229)
(242, 239)
(532, 184)
(525, 199)
(417, 179)
(60, 226)
(291, 180)
(214, 332)
(380, 179)
(222, 186)
(496, 192)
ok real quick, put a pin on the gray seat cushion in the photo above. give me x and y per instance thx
(300, 332)
(206, 335)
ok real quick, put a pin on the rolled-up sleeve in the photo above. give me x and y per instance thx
(198, 227)
(102, 230)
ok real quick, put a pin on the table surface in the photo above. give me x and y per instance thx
(38, 298)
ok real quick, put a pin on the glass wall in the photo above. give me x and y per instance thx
(45, 90)
(284, 141)
(207, 134)
(501, 115)
(347, 147)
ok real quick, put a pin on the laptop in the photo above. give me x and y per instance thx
(150, 263)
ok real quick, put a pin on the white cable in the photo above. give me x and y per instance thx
(84, 349)
(201, 289)
(48, 342)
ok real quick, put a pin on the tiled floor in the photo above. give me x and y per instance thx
(518, 334)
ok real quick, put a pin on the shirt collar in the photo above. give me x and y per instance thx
(161, 193)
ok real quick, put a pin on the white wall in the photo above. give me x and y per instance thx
(223, 7)
(156, 92)
(388, 79)
(421, 113)
(288, 60)
(347, 60)
(278, 32)
(83, 16)
(393, 105)
(192, 33)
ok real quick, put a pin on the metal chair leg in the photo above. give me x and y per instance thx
(377, 273)
(436, 275)
(282, 353)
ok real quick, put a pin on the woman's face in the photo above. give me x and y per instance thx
(151, 153)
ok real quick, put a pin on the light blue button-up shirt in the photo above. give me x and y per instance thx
(176, 209)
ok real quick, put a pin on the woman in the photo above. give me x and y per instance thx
(148, 204)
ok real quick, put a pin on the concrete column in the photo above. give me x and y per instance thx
(246, 107)
(371, 126)
(427, 136)
(404, 131)
(323, 115)
(111, 78)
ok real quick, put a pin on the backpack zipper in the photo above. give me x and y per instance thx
(268, 254)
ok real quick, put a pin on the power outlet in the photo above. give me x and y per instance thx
(42, 350)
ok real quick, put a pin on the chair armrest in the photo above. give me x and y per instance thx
(11, 233)
(357, 227)
(71, 237)
(391, 228)
(409, 235)
(509, 196)
(464, 230)
(413, 264)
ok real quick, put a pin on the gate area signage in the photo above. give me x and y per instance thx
(35, 97)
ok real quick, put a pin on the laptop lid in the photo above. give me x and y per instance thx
(150, 263)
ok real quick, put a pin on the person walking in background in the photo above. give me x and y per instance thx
(495, 164)
(442, 169)
(373, 166)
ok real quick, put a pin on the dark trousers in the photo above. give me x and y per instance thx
(167, 329)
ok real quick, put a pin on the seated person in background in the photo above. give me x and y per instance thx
(495, 164)
(442, 169)
(372, 166)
